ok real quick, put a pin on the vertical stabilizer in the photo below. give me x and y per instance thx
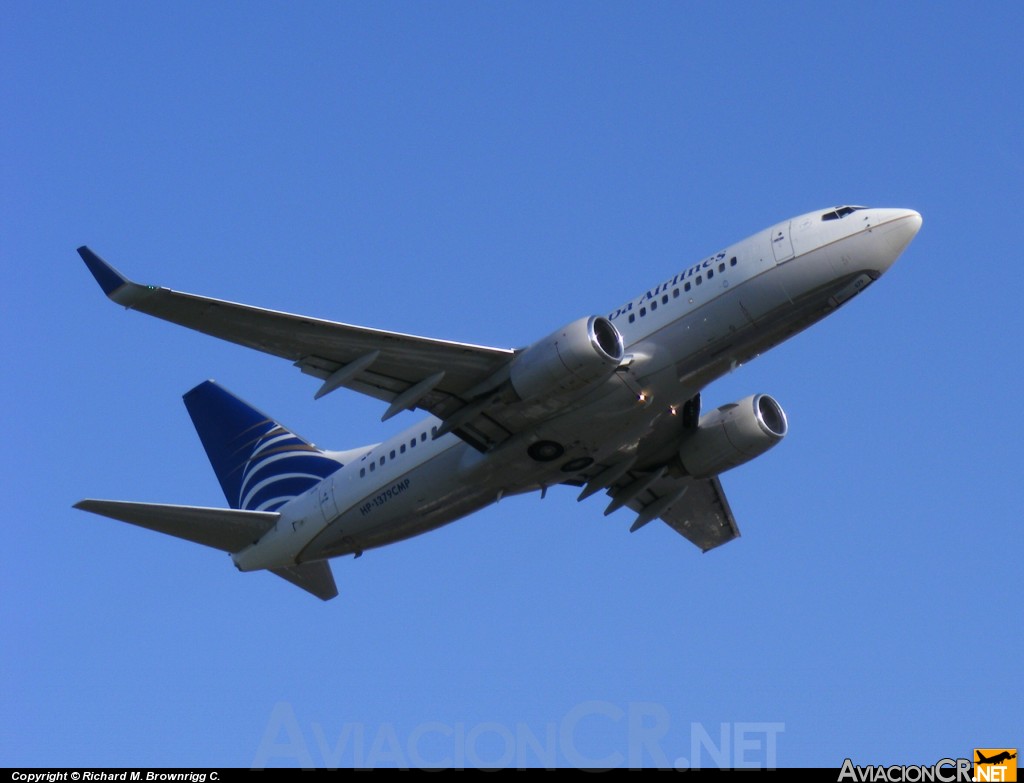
(260, 464)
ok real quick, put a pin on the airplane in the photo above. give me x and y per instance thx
(996, 759)
(605, 403)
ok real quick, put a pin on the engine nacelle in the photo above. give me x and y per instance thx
(569, 359)
(733, 434)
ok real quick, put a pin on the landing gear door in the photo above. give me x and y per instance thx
(782, 243)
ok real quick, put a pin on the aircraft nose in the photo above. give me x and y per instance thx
(902, 228)
(890, 232)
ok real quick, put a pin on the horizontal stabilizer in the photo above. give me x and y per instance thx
(315, 578)
(221, 528)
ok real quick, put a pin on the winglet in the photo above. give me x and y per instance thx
(109, 278)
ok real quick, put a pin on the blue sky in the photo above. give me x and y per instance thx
(486, 173)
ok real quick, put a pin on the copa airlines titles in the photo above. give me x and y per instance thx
(669, 284)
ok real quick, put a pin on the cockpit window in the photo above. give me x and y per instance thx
(840, 212)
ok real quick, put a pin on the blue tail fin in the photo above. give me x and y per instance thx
(260, 464)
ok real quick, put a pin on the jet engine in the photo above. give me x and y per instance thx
(569, 359)
(733, 434)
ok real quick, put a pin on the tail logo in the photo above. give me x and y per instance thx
(260, 464)
(280, 467)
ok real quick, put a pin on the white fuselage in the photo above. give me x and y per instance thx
(689, 330)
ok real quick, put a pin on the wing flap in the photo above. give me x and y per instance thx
(221, 528)
(697, 509)
(703, 515)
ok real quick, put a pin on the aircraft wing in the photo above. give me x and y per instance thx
(407, 371)
(695, 508)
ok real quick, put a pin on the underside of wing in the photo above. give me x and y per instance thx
(697, 509)
(703, 515)
(404, 370)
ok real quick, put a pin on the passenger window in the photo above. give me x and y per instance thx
(675, 293)
(382, 462)
(632, 317)
(732, 261)
(362, 472)
(643, 311)
(423, 437)
(664, 299)
(402, 449)
(392, 453)
(698, 280)
(433, 431)
(686, 287)
(654, 305)
(721, 267)
(711, 273)
(373, 466)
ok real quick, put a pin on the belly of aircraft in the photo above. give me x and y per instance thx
(632, 414)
